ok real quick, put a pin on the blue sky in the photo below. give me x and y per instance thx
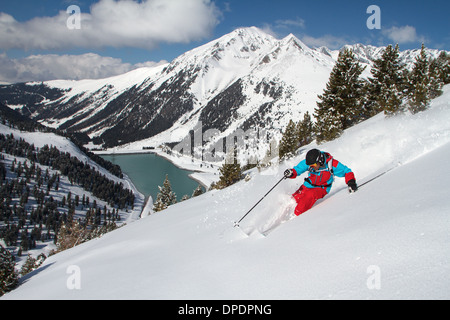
(119, 35)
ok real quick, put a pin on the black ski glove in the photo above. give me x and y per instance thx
(289, 173)
(352, 187)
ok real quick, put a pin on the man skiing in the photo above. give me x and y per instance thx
(322, 169)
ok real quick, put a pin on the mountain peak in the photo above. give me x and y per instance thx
(251, 32)
(244, 39)
(293, 40)
(250, 35)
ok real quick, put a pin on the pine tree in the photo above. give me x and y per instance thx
(328, 125)
(166, 197)
(9, 278)
(230, 172)
(198, 191)
(289, 142)
(71, 234)
(444, 63)
(32, 264)
(341, 104)
(305, 130)
(418, 83)
(385, 89)
(436, 80)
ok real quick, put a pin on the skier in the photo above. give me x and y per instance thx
(322, 169)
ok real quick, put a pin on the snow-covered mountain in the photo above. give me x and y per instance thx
(389, 240)
(246, 79)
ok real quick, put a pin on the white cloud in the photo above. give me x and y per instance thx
(297, 23)
(114, 23)
(268, 28)
(405, 34)
(67, 67)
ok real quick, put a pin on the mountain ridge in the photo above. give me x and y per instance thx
(247, 76)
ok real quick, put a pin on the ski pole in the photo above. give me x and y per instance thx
(236, 224)
(376, 177)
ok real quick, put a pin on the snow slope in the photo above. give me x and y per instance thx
(387, 241)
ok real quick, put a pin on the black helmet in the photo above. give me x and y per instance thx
(315, 156)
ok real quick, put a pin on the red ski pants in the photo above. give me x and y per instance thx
(306, 198)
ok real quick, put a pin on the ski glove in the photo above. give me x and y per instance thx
(352, 187)
(289, 173)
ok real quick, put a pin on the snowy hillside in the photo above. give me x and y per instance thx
(389, 240)
(40, 139)
(44, 210)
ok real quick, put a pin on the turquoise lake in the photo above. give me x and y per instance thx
(148, 171)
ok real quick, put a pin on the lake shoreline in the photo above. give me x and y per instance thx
(146, 169)
(196, 174)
